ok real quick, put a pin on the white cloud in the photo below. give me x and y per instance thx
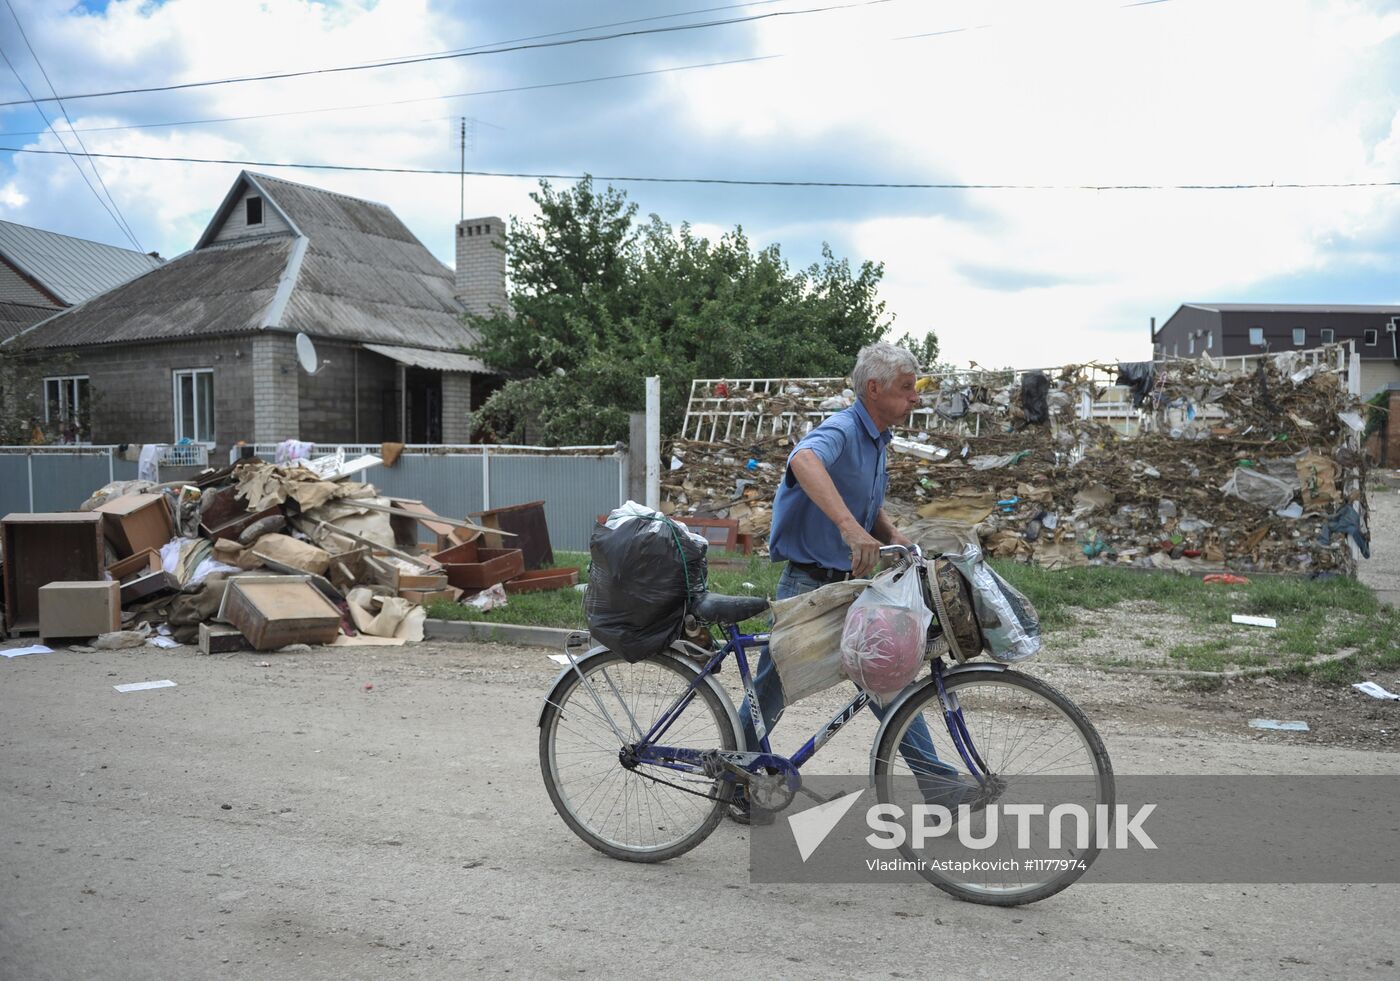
(1184, 92)
(1080, 91)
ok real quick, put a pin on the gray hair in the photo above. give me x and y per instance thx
(883, 363)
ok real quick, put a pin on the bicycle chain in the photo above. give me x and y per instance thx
(677, 786)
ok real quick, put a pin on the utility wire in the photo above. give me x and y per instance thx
(426, 98)
(516, 88)
(738, 182)
(504, 49)
(116, 208)
(65, 151)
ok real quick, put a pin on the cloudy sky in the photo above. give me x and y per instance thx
(1052, 97)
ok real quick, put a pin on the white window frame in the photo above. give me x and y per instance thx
(1300, 341)
(1210, 339)
(1371, 336)
(1256, 332)
(194, 374)
(1191, 344)
(1329, 335)
(67, 393)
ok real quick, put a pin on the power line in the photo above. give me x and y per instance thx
(121, 218)
(426, 98)
(739, 182)
(674, 28)
(65, 151)
(517, 88)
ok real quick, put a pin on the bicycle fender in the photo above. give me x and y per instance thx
(980, 667)
(694, 670)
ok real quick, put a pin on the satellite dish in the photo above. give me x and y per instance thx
(306, 355)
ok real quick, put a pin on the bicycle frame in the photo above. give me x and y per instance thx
(648, 750)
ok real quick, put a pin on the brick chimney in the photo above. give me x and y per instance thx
(481, 264)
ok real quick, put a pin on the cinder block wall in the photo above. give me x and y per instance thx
(456, 405)
(276, 378)
(133, 393)
(328, 405)
(481, 264)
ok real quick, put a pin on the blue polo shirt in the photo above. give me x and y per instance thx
(853, 452)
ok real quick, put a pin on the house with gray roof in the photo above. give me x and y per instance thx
(204, 347)
(1233, 330)
(42, 272)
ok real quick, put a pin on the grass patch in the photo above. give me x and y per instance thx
(564, 607)
(1315, 617)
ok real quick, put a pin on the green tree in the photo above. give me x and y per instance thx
(597, 303)
(925, 349)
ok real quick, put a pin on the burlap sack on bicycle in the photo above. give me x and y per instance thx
(955, 612)
(643, 572)
(805, 642)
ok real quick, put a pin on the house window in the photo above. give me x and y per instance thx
(1300, 336)
(194, 405)
(66, 407)
(1191, 344)
(1256, 337)
(1370, 337)
(254, 210)
(1210, 340)
(1329, 336)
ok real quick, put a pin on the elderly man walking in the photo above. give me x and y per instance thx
(829, 522)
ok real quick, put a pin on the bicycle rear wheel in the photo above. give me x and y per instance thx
(1037, 748)
(649, 812)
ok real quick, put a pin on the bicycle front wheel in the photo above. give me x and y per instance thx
(1034, 746)
(645, 812)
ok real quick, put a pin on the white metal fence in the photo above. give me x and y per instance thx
(756, 408)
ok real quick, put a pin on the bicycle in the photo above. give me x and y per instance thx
(635, 797)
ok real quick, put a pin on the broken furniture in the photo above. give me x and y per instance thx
(540, 580)
(79, 609)
(405, 525)
(471, 567)
(136, 522)
(274, 611)
(527, 523)
(142, 576)
(41, 548)
(218, 639)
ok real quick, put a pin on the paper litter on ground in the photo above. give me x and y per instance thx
(1375, 690)
(22, 651)
(560, 658)
(1293, 726)
(164, 642)
(144, 685)
(1253, 621)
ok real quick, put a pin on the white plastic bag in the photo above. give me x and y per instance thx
(1010, 625)
(883, 644)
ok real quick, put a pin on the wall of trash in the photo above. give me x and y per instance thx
(1186, 465)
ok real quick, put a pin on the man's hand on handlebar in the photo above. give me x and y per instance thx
(865, 550)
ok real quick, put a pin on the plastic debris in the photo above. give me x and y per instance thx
(1275, 724)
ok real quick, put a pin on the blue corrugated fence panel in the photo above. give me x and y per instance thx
(63, 482)
(450, 485)
(14, 483)
(575, 490)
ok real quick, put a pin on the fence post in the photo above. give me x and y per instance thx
(111, 469)
(653, 460)
(30, 458)
(485, 478)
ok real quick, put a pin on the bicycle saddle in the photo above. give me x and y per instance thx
(718, 608)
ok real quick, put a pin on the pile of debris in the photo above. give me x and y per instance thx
(263, 556)
(1250, 470)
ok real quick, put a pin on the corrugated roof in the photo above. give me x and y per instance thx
(417, 357)
(361, 276)
(1295, 308)
(223, 289)
(365, 277)
(72, 269)
(15, 317)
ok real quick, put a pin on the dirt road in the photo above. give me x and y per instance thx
(290, 822)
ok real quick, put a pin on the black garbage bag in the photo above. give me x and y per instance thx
(1035, 390)
(1139, 376)
(644, 571)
